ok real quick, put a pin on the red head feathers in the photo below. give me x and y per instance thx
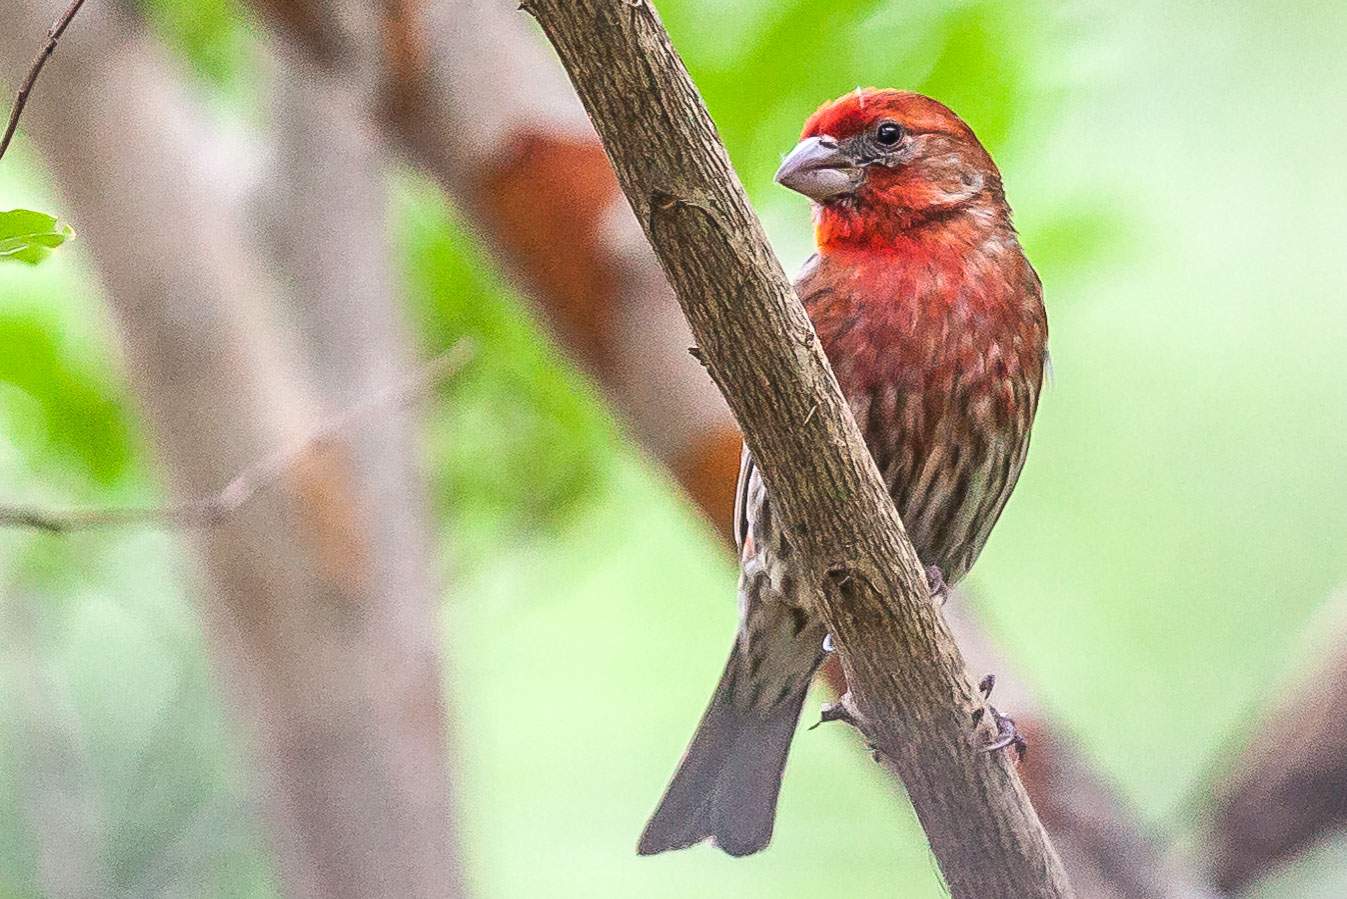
(881, 162)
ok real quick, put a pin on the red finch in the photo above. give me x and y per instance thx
(933, 320)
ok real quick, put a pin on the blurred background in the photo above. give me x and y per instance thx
(514, 596)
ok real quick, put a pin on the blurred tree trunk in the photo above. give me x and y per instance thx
(57, 792)
(317, 605)
(475, 99)
(495, 121)
(472, 96)
(1287, 787)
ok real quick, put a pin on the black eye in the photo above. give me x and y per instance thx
(888, 134)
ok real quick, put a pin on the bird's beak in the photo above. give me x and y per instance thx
(819, 169)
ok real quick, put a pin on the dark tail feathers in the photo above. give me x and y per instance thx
(726, 787)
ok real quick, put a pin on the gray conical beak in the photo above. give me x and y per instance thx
(819, 169)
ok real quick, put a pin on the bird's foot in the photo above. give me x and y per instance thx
(1007, 735)
(935, 582)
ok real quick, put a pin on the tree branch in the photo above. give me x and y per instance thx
(908, 682)
(1106, 851)
(512, 145)
(211, 510)
(21, 100)
(1285, 788)
(533, 177)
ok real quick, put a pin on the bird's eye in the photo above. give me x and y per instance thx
(888, 134)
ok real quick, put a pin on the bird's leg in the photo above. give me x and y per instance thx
(935, 582)
(1006, 732)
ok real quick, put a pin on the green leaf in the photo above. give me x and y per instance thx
(28, 236)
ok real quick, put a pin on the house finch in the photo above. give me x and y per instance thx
(933, 320)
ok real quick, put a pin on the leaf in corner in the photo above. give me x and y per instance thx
(28, 236)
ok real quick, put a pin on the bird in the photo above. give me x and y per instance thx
(933, 321)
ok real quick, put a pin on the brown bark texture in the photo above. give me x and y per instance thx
(762, 351)
(478, 105)
(470, 96)
(319, 613)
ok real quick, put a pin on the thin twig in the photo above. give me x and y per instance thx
(53, 35)
(212, 510)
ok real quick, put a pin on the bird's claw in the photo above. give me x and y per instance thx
(935, 583)
(1007, 735)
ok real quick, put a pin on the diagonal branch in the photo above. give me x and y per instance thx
(762, 351)
(490, 114)
(1104, 847)
(1285, 788)
(248, 483)
(21, 100)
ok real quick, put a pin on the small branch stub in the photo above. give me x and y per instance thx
(841, 710)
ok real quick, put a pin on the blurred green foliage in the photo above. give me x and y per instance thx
(75, 414)
(531, 438)
(1181, 518)
(214, 37)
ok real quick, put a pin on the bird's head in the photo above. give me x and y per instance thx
(881, 162)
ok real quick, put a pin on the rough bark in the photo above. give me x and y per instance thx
(324, 639)
(909, 686)
(475, 102)
(479, 134)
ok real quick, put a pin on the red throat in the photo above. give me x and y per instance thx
(922, 240)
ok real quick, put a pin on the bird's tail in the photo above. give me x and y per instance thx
(725, 788)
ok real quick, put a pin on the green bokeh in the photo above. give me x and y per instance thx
(1176, 172)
